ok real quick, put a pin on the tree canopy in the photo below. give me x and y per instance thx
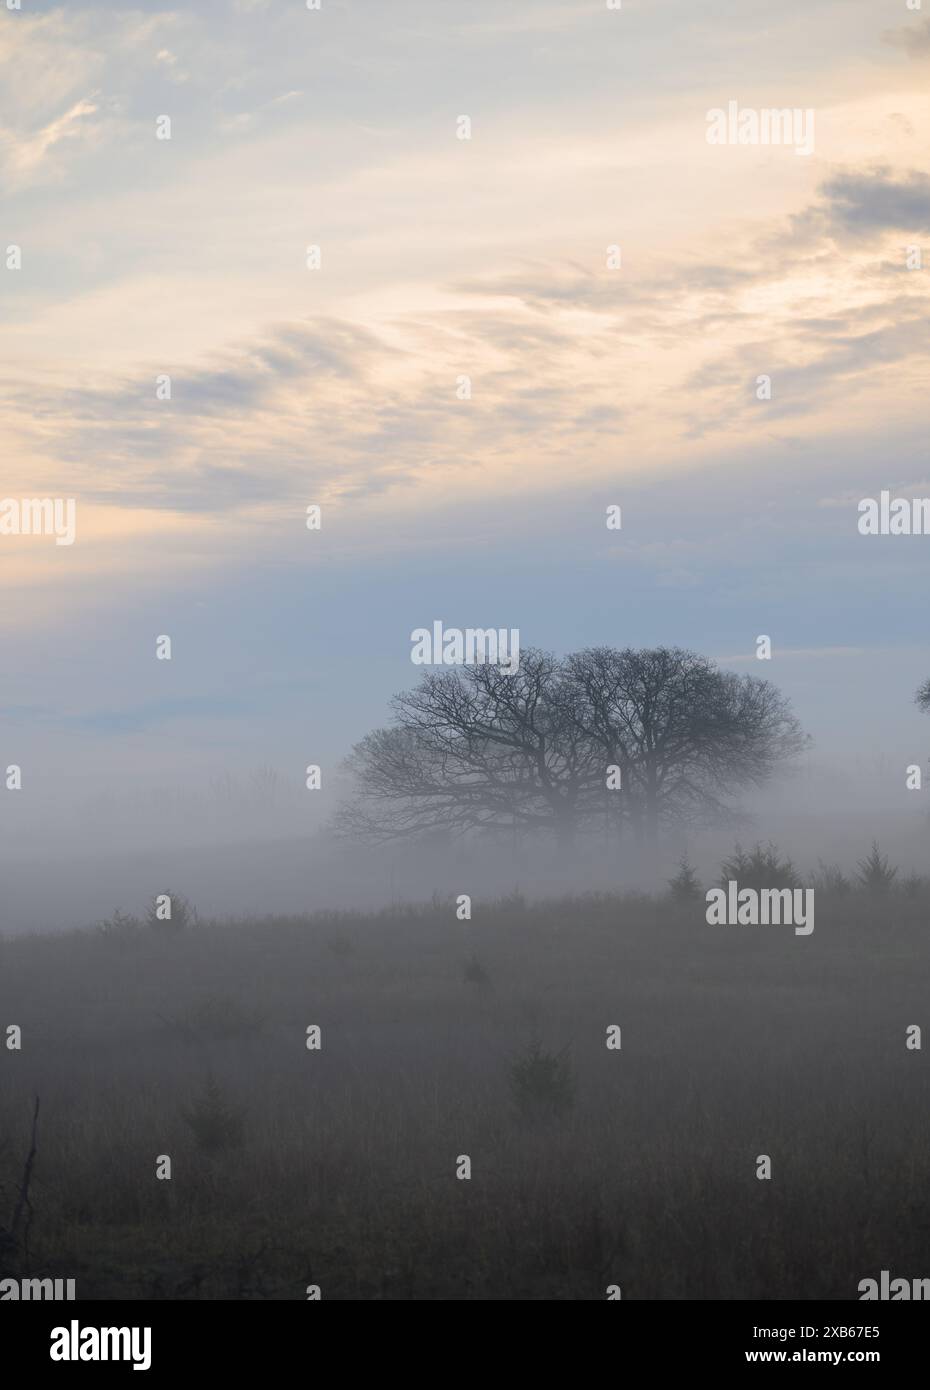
(606, 739)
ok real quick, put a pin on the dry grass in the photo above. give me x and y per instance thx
(736, 1042)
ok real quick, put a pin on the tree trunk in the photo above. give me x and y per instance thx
(565, 835)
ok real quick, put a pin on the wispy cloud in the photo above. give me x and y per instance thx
(877, 201)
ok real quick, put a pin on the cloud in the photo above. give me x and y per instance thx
(22, 157)
(168, 61)
(132, 718)
(915, 39)
(155, 713)
(876, 201)
(440, 261)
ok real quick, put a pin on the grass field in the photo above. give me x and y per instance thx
(487, 1038)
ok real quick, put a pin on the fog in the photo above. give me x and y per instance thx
(256, 844)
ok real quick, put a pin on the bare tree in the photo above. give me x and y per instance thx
(477, 749)
(684, 734)
(922, 697)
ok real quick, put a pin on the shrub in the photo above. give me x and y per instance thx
(829, 878)
(685, 887)
(875, 873)
(541, 1082)
(913, 885)
(474, 973)
(120, 924)
(183, 915)
(761, 867)
(216, 1122)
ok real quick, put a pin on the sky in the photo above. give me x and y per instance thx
(596, 379)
